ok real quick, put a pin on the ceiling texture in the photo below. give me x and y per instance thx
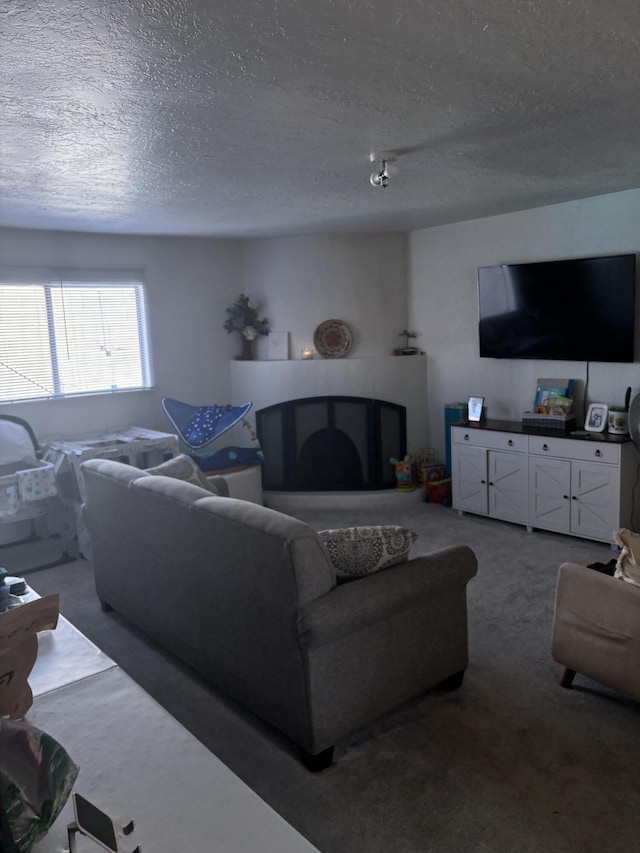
(259, 117)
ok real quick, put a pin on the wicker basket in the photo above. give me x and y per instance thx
(559, 422)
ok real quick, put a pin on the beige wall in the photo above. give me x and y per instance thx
(443, 304)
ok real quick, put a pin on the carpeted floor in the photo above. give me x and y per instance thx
(510, 762)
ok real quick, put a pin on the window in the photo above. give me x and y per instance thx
(62, 338)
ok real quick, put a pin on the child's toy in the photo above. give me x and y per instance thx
(404, 473)
(426, 467)
(439, 491)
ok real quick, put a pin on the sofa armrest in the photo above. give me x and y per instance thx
(597, 600)
(353, 606)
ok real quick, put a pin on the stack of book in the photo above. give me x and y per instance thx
(552, 405)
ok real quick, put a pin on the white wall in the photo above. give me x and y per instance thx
(302, 281)
(361, 279)
(190, 283)
(298, 282)
(371, 282)
(443, 304)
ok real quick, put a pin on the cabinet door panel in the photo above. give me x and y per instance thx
(469, 487)
(508, 486)
(549, 494)
(594, 500)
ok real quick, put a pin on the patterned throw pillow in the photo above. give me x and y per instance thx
(359, 551)
(628, 563)
(183, 468)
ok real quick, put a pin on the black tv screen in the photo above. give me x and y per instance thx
(575, 310)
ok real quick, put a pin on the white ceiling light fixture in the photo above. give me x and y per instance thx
(380, 178)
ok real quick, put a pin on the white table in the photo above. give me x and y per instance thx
(64, 657)
(136, 445)
(136, 761)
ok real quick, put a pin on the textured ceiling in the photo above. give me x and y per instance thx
(240, 117)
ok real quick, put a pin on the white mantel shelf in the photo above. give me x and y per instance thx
(396, 379)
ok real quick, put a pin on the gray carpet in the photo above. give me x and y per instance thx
(510, 762)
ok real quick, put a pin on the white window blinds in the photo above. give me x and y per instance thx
(66, 338)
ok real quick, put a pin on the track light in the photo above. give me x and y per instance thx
(381, 177)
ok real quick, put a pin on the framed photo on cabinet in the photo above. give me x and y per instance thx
(596, 420)
(474, 409)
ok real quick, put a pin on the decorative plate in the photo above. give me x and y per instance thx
(333, 339)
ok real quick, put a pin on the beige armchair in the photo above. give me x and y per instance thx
(596, 628)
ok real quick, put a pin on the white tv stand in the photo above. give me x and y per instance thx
(581, 485)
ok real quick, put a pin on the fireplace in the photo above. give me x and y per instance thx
(331, 444)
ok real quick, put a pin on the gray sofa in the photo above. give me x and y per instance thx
(248, 597)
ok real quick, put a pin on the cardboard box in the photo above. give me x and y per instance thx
(19, 649)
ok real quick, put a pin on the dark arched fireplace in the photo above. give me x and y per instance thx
(331, 443)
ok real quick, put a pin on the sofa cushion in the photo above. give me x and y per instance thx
(359, 551)
(628, 563)
(183, 468)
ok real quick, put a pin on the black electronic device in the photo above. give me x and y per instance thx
(97, 825)
(573, 310)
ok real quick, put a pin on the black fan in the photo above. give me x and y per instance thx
(634, 417)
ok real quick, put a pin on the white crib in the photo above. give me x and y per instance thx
(27, 483)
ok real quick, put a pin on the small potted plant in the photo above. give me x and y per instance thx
(406, 349)
(243, 318)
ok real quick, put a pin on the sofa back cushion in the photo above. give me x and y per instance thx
(268, 548)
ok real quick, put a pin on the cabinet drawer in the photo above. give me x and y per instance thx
(490, 439)
(567, 448)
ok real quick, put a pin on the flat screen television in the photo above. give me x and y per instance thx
(572, 310)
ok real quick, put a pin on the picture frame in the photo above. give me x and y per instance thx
(278, 346)
(475, 406)
(596, 419)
